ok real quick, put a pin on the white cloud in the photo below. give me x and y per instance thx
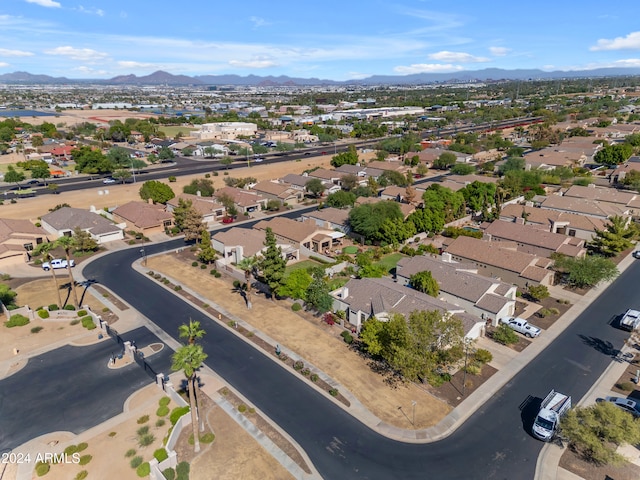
(358, 75)
(45, 3)
(630, 42)
(132, 64)
(426, 68)
(14, 53)
(83, 54)
(3, 64)
(91, 11)
(254, 63)
(459, 57)
(259, 22)
(499, 51)
(90, 71)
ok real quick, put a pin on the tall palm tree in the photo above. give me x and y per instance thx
(191, 332)
(67, 243)
(189, 359)
(45, 249)
(249, 265)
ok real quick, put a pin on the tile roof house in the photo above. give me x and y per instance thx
(601, 194)
(306, 235)
(332, 218)
(211, 210)
(245, 201)
(507, 264)
(17, 239)
(533, 239)
(582, 206)
(484, 297)
(299, 182)
(405, 208)
(360, 171)
(65, 220)
(572, 224)
(239, 243)
(364, 298)
(278, 191)
(146, 218)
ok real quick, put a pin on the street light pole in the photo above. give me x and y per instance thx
(466, 356)
(413, 404)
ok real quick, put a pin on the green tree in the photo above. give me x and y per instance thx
(341, 199)
(189, 359)
(505, 335)
(615, 238)
(191, 331)
(315, 187)
(202, 185)
(479, 196)
(7, 296)
(45, 249)
(192, 224)
(156, 191)
(67, 244)
(511, 164)
(122, 175)
(350, 157)
(587, 271)
(13, 176)
(207, 253)
(596, 431)
(538, 292)
(425, 283)
(83, 242)
(226, 161)
(296, 284)
(444, 202)
(348, 182)
(632, 180)
(41, 171)
(248, 265)
(614, 154)
(165, 154)
(272, 263)
(228, 203)
(119, 157)
(445, 160)
(317, 294)
(368, 219)
(90, 161)
(462, 169)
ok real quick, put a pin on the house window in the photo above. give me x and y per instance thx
(166, 223)
(572, 233)
(28, 246)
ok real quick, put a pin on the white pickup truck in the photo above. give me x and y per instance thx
(631, 320)
(553, 407)
(57, 263)
(520, 325)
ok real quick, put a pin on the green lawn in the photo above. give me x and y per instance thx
(390, 261)
(301, 265)
(172, 131)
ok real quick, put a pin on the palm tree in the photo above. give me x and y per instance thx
(189, 359)
(67, 244)
(45, 249)
(191, 332)
(249, 265)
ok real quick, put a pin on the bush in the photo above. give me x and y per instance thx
(208, 437)
(112, 434)
(538, 292)
(16, 320)
(169, 474)
(213, 271)
(135, 462)
(203, 266)
(82, 313)
(172, 179)
(544, 312)
(347, 337)
(313, 377)
(473, 369)
(217, 274)
(160, 422)
(70, 307)
(483, 356)
(143, 419)
(505, 335)
(161, 455)
(42, 469)
(177, 288)
(176, 413)
(43, 313)
(333, 392)
(182, 469)
(87, 322)
(144, 470)
(298, 365)
(242, 408)
(626, 386)
(71, 449)
(130, 453)
(75, 321)
(84, 459)
(82, 474)
(146, 440)
(194, 264)
(296, 307)
(143, 430)
(53, 307)
(554, 311)
(36, 329)
(82, 447)
(162, 411)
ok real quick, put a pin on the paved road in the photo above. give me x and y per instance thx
(71, 389)
(493, 444)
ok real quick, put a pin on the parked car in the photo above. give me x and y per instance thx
(259, 159)
(520, 325)
(109, 180)
(227, 220)
(57, 263)
(630, 320)
(636, 254)
(630, 406)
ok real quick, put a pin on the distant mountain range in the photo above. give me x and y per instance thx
(165, 78)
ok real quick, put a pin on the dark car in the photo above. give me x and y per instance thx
(636, 254)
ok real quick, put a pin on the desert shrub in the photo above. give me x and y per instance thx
(84, 459)
(554, 311)
(43, 313)
(42, 469)
(135, 462)
(182, 469)
(203, 266)
(162, 411)
(298, 365)
(538, 292)
(194, 264)
(143, 419)
(164, 401)
(169, 474)
(82, 474)
(146, 440)
(70, 307)
(296, 307)
(213, 271)
(105, 309)
(505, 335)
(347, 337)
(112, 434)
(82, 447)
(71, 449)
(626, 386)
(53, 307)
(333, 392)
(305, 372)
(172, 178)
(217, 274)
(16, 320)
(237, 284)
(36, 329)
(483, 356)
(151, 272)
(473, 369)
(143, 470)
(544, 312)
(75, 321)
(242, 408)
(143, 430)
(161, 455)
(176, 413)
(160, 422)
(82, 313)
(313, 377)
(207, 437)
(130, 453)
(177, 288)
(87, 322)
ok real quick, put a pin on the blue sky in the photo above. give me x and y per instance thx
(328, 39)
